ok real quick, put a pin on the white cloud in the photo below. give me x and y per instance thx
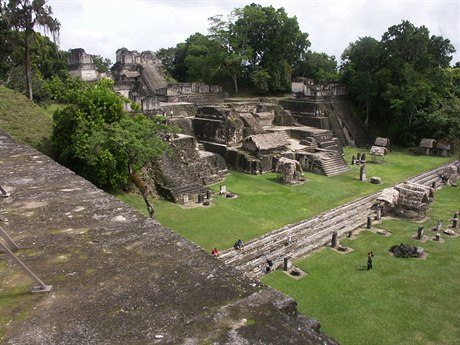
(101, 27)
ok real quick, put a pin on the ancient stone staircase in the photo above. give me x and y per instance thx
(309, 234)
(334, 164)
(336, 127)
(152, 77)
(342, 109)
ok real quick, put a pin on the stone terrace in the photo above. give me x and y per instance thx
(309, 234)
(121, 278)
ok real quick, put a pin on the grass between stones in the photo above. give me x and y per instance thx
(15, 296)
(264, 204)
(399, 301)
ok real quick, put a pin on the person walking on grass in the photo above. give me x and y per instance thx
(370, 255)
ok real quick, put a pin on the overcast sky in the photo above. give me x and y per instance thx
(102, 26)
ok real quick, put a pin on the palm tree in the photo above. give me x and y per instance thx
(26, 15)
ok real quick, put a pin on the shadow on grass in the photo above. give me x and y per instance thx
(279, 180)
(8, 296)
(361, 268)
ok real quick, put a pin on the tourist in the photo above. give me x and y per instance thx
(370, 255)
(269, 266)
(239, 244)
(215, 252)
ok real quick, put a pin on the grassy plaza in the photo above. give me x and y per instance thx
(399, 301)
(408, 301)
(265, 204)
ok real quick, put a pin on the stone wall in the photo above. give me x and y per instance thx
(333, 113)
(196, 92)
(218, 124)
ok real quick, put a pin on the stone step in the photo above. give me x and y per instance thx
(305, 223)
(324, 220)
(298, 249)
(335, 166)
(337, 223)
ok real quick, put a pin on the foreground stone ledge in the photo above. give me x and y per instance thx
(121, 278)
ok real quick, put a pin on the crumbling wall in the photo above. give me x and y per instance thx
(184, 171)
(219, 125)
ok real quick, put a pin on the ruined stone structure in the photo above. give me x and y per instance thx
(307, 87)
(434, 147)
(408, 199)
(290, 169)
(81, 65)
(126, 57)
(248, 137)
(182, 174)
(428, 145)
(139, 77)
(121, 278)
(382, 142)
(190, 92)
(264, 143)
(326, 106)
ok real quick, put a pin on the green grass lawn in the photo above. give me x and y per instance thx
(400, 301)
(264, 204)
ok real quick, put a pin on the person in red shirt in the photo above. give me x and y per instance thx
(215, 252)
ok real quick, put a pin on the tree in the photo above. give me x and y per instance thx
(318, 66)
(131, 143)
(401, 80)
(274, 39)
(166, 55)
(25, 16)
(361, 63)
(180, 67)
(91, 108)
(261, 79)
(444, 123)
(97, 139)
(199, 58)
(252, 38)
(6, 44)
(417, 81)
(234, 50)
(102, 64)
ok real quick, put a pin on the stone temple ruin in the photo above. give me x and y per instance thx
(139, 77)
(81, 66)
(250, 136)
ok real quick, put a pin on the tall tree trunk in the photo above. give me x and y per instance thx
(144, 190)
(27, 64)
(367, 110)
(368, 101)
(235, 82)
